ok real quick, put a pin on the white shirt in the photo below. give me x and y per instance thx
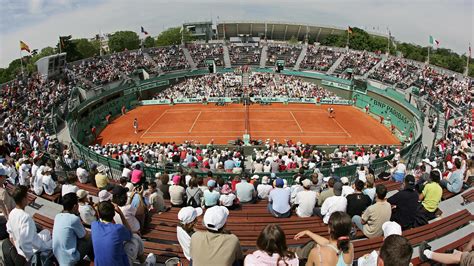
(333, 204)
(87, 213)
(24, 173)
(263, 190)
(294, 190)
(227, 200)
(82, 175)
(48, 185)
(126, 172)
(306, 201)
(38, 182)
(400, 168)
(22, 230)
(129, 214)
(68, 188)
(361, 175)
(185, 241)
(347, 190)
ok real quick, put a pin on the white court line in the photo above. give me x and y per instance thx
(195, 120)
(298, 124)
(178, 111)
(341, 127)
(252, 131)
(154, 122)
(232, 136)
(242, 120)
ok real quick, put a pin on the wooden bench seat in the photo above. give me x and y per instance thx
(457, 244)
(93, 191)
(447, 195)
(468, 196)
(419, 234)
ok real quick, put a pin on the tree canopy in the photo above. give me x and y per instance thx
(172, 36)
(121, 40)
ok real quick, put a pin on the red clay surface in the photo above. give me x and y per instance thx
(196, 122)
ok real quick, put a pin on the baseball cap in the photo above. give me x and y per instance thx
(265, 180)
(226, 189)
(176, 179)
(47, 169)
(104, 195)
(211, 183)
(215, 218)
(337, 188)
(433, 164)
(279, 182)
(391, 228)
(307, 183)
(188, 214)
(101, 169)
(255, 177)
(81, 193)
(344, 180)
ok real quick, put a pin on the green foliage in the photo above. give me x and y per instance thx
(172, 36)
(87, 49)
(122, 40)
(471, 70)
(293, 40)
(149, 42)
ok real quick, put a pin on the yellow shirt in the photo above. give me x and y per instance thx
(101, 180)
(432, 193)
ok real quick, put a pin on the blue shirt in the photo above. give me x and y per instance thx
(455, 181)
(229, 164)
(107, 240)
(67, 229)
(211, 198)
(280, 198)
(244, 191)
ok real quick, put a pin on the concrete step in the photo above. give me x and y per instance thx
(263, 56)
(227, 63)
(336, 64)
(301, 57)
(189, 58)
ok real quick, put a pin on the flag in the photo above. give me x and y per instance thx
(144, 31)
(349, 29)
(34, 52)
(24, 47)
(63, 39)
(433, 41)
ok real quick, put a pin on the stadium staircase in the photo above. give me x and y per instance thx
(263, 55)
(440, 130)
(384, 58)
(189, 58)
(227, 63)
(149, 58)
(336, 64)
(245, 79)
(301, 57)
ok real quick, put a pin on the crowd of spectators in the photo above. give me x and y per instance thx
(103, 70)
(202, 52)
(359, 61)
(169, 58)
(244, 54)
(320, 58)
(230, 85)
(289, 53)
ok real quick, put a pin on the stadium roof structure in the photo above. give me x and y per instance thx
(278, 30)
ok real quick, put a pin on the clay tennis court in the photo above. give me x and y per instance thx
(196, 122)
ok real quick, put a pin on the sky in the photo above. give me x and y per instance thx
(39, 23)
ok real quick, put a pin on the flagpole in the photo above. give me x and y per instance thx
(388, 42)
(429, 46)
(347, 40)
(467, 61)
(21, 63)
(60, 44)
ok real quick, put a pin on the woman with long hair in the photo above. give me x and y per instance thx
(272, 249)
(337, 250)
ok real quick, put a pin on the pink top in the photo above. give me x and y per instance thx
(261, 258)
(136, 176)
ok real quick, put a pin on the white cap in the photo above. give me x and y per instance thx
(307, 183)
(101, 169)
(265, 180)
(344, 180)
(426, 160)
(391, 228)
(215, 217)
(433, 164)
(47, 169)
(188, 214)
(104, 195)
(255, 177)
(449, 165)
(326, 179)
(81, 193)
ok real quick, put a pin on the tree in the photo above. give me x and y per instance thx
(149, 42)
(172, 36)
(122, 40)
(86, 48)
(293, 40)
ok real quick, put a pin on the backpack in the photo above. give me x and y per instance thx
(192, 201)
